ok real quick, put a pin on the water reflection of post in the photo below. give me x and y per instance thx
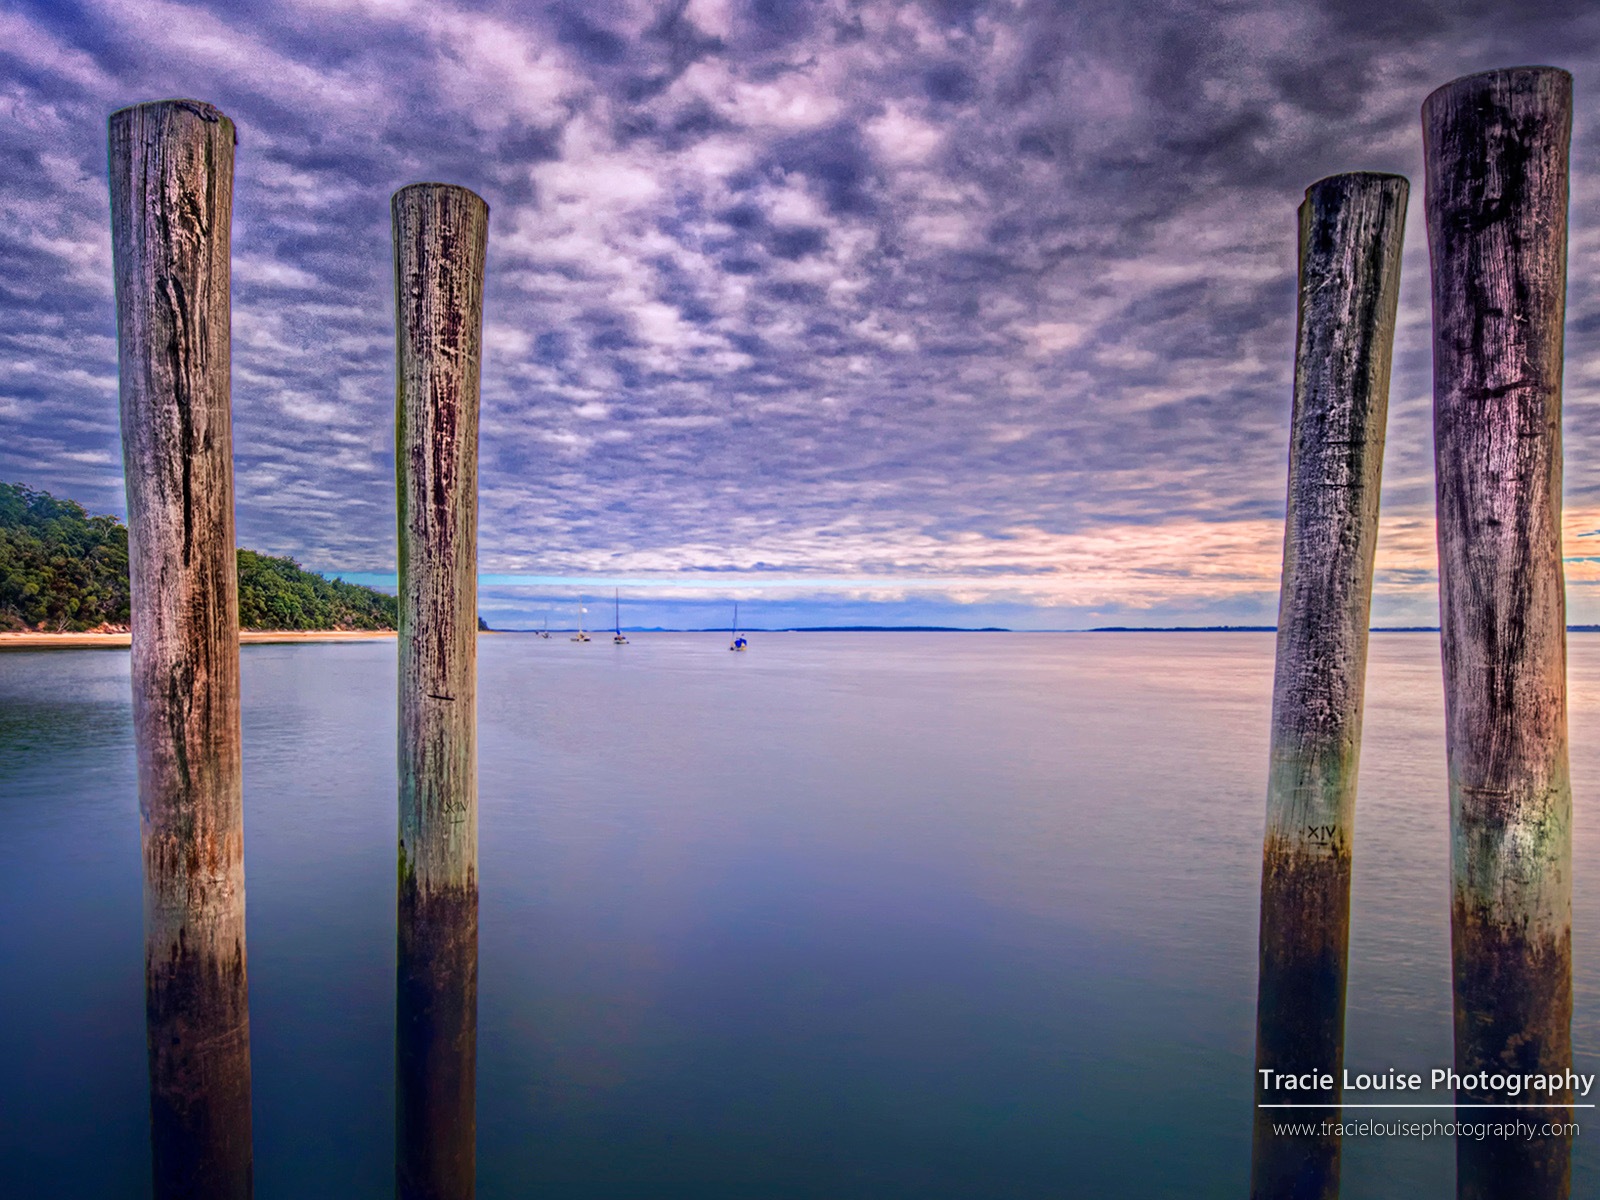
(1497, 154)
(1350, 234)
(171, 169)
(440, 235)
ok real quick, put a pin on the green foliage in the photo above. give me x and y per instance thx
(63, 570)
(274, 593)
(60, 568)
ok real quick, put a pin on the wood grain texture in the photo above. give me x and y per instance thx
(1497, 164)
(440, 240)
(1351, 230)
(171, 176)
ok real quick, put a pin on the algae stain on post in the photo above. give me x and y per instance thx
(1351, 227)
(171, 177)
(1496, 149)
(440, 239)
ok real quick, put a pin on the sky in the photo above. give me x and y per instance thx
(944, 312)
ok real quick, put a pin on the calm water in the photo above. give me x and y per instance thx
(853, 915)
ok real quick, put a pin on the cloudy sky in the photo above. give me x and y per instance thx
(948, 312)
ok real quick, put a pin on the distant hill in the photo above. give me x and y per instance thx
(791, 629)
(1271, 628)
(276, 593)
(840, 629)
(60, 568)
(63, 570)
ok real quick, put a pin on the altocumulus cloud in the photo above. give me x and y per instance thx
(993, 296)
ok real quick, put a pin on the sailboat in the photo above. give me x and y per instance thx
(617, 639)
(580, 636)
(738, 642)
(545, 631)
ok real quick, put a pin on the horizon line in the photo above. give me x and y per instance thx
(982, 629)
(705, 580)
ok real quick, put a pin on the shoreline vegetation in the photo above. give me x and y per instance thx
(64, 572)
(113, 639)
(121, 639)
(64, 584)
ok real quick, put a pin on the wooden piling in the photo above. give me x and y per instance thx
(1351, 227)
(171, 173)
(440, 237)
(1496, 148)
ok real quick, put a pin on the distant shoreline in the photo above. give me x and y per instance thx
(998, 629)
(260, 637)
(808, 629)
(121, 641)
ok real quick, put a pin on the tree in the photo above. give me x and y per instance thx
(62, 569)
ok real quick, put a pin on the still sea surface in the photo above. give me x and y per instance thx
(852, 915)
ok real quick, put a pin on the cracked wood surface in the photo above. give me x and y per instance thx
(1351, 229)
(440, 239)
(171, 178)
(1496, 149)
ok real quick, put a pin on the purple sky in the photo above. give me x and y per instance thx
(979, 313)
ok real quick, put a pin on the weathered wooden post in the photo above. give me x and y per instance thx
(1351, 228)
(440, 237)
(171, 170)
(1496, 148)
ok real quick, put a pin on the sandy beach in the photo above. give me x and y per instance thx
(115, 641)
